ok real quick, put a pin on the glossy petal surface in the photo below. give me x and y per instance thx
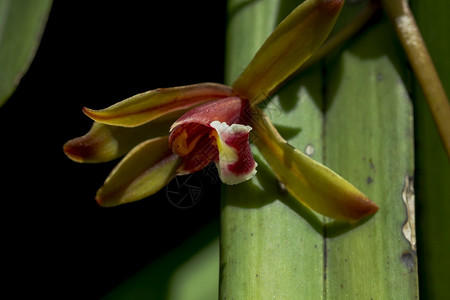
(231, 110)
(106, 142)
(203, 152)
(285, 50)
(150, 105)
(142, 172)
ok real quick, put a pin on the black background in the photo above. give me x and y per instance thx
(56, 241)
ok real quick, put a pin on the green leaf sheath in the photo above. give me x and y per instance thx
(353, 114)
(21, 25)
(369, 141)
(271, 246)
(432, 164)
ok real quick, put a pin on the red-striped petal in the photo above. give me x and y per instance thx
(232, 110)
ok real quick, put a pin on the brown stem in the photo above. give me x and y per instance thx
(422, 65)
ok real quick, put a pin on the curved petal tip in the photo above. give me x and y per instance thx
(77, 151)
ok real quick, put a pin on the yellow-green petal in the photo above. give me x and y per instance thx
(150, 105)
(285, 50)
(106, 142)
(310, 182)
(141, 173)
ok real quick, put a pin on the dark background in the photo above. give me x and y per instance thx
(56, 241)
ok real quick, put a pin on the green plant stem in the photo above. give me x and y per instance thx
(271, 246)
(420, 60)
(358, 121)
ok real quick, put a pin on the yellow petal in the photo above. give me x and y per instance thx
(292, 43)
(141, 173)
(105, 142)
(150, 105)
(310, 182)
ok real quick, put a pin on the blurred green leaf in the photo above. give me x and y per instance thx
(21, 25)
(433, 166)
(189, 272)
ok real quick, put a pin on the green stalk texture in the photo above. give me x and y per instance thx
(353, 114)
(433, 166)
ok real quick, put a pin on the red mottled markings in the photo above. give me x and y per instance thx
(245, 163)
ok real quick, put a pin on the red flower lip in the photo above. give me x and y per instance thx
(202, 135)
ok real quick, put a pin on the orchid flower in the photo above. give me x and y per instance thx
(180, 130)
